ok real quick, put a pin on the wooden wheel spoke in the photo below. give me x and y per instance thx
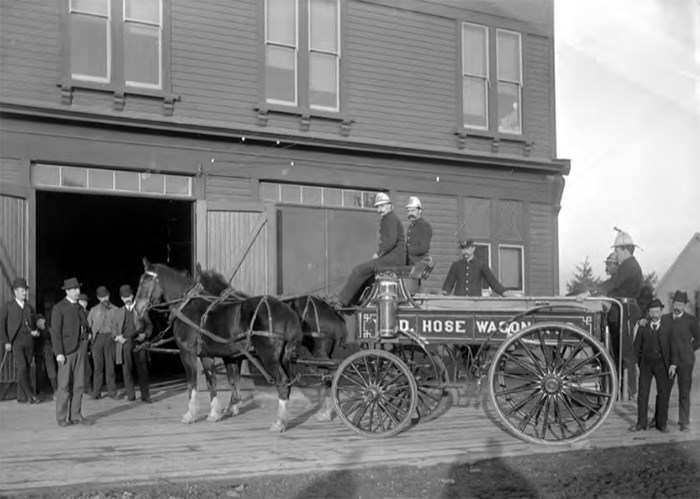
(571, 411)
(358, 415)
(518, 377)
(528, 386)
(558, 420)
(535, 410)
(588, 391)
(522, 403)
(585, 403)
(573, 354)
(558, 353)
(532, 358)
(543, 348)
(580, 364)
(361, 383)
(507, 356)
(396, 388)
(545, 419)
(360, 376)
(590, 377)
(388, 413)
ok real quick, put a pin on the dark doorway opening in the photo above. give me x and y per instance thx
(101, 240)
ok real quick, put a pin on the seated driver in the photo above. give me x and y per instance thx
(391, 250)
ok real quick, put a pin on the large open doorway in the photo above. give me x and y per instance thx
(102, 239)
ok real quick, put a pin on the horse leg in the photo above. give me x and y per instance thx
(271, 353)
(233, 374)
(189, 360)
(215, 414)
(324, 350)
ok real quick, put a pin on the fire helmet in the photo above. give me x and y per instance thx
(414, 202)
(380, 199)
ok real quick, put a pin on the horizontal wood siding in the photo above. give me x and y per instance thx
(12, 174)
(401, 68)
(538, 114)
(541, 250)
(30, 50)
(226, 233)
(222, 188)
(442, 212)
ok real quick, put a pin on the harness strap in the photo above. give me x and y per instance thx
(182, 317)
(317, 333)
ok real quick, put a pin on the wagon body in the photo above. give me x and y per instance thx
(546, 360)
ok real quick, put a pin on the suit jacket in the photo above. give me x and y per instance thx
(141, 324)
(68, 327)
(685, 336)
(627, 281)
(649, 342)
(392, 241)
(13, 317)
(466, 278)
(418, 238)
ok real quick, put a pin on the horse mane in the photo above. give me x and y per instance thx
(214, 283)
(169, 274)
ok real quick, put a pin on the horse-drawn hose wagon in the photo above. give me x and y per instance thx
(546, 360)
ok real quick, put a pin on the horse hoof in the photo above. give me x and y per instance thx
(278, 427)
(214, 418)
(187, 418)
(324, 416)
(235, 410)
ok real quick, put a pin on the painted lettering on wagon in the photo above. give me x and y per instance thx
(447, 326)
(503, 327)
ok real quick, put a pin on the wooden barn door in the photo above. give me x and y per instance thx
(237, 239)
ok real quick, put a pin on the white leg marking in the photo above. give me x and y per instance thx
(215, 414)
(325, 413)
(191, 413)
(280, 423)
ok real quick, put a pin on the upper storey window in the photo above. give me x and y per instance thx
(117, 42)
(302, 53)
(489, 104)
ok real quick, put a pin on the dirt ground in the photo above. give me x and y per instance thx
(653, 470)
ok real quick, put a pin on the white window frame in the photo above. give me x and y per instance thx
(125, 20)
(522, 265)
(296, 55)
(486, 78)
(519, 83)
(336, 54)
(96, 79)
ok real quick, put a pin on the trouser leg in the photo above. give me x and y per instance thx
(359, 276)
(662, 395)
(99, 363)
(128, 369)
(109, 367)
(685, 383)
(643, 395)
(23, 352)
(64, 391)
(78, 381)
(142, 372)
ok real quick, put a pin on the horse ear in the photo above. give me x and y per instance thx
(198, 269)
(146, 263)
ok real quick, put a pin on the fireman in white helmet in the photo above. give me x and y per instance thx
(418, 234)
(391, 251)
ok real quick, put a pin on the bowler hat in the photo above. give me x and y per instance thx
(102, 291)
(20, 282)
(40, 317)
(125, 290)
(656, 303)
(466, 243)
(71, 283)
(83, 297)
(680, 296)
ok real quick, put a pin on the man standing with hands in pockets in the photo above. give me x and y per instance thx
(69, 336)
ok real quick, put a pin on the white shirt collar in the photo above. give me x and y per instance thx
(20, 303)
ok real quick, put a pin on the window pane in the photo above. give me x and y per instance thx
(101, 179)
(352, 199)
(324, 25)
(126, 181)
(269, 192)
(88, 46)
(291, 194)
(152, 183)
(511, 274)
(281, 22)
(508, 56)
(73, 177)
(177, 185)
(323, 80)
(97, 7)
(332, 197)
(474, 50)
(142, 54)
(474, 97)
(44, 175)
(311, 195)
(280, 74)
(143, 10)
(509, 108)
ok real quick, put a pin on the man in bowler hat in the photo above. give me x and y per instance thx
(686, 339)
(17, 333)
(69, 336)
(133, 330)
(657, 359)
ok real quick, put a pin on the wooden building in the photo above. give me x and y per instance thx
(252, 135)
(683, 275)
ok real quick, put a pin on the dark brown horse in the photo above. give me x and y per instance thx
(270, 327)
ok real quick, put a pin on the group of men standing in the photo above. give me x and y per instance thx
(115, 333)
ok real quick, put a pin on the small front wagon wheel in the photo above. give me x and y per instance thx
(374, 393)
(552, 383)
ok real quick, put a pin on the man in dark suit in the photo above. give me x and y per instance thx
(17, 333)
(69, 336)
(418, 234)
(44, 358)
(657, 359)
(685, 336)
(132, 331)
(391, 251)
(467, 274)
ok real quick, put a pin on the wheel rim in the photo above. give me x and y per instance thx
(429, 372)
(553, 383)
(374, 393)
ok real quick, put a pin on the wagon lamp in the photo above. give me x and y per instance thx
(387, 305)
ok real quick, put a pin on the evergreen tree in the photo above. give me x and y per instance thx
(583, 279)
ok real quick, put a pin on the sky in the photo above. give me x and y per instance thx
(628, 118)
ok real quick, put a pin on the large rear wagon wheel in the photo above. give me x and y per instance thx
(552, 383)
(374, 393)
